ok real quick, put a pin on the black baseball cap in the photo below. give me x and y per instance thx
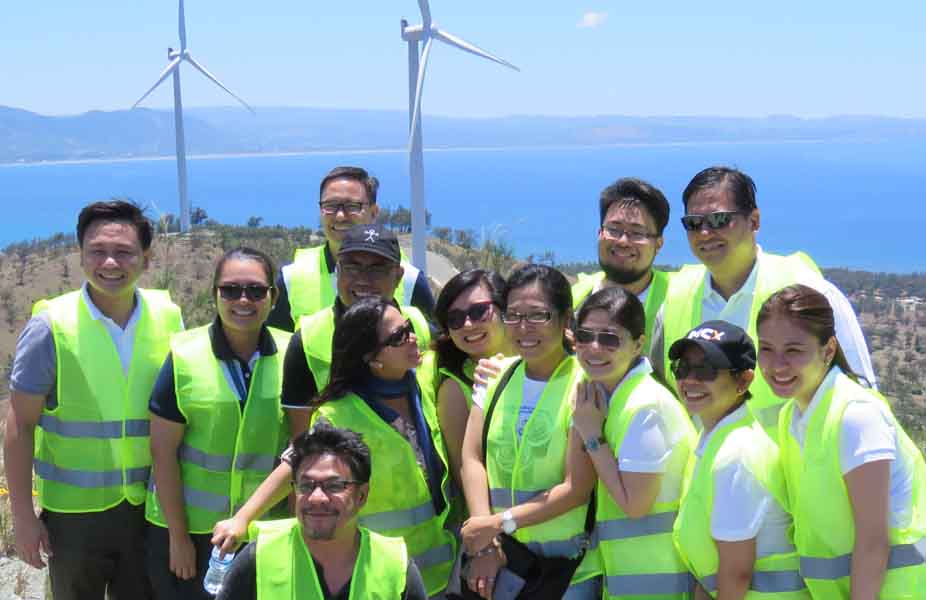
(373, 238)
(725, 345)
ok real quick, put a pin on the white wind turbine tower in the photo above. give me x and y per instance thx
(427, 32)
(173, 67)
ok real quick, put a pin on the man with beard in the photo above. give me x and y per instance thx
(323, 553)
(633, 217)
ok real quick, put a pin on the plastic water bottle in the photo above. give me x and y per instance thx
(218, 567)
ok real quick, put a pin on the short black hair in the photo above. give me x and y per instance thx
(623, 308)
(740, 185)
(324, 438)
(358, 174)
(115, 210)
(630, 191)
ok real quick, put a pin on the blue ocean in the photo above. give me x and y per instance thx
(858, 205)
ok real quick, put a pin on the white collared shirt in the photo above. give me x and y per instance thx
(866, 434)
(641, 296)
(736, 310)
(123, 338)
(743, 508)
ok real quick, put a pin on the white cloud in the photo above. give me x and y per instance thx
(591, 20)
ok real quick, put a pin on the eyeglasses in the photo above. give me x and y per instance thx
(535, 318)
(349, 208)
(615, 232)
(606, 339)
(399, 337)
(380, 271)
(329, 486)
(714, 220)
(252, 291)
(703, 372)
(478, 311)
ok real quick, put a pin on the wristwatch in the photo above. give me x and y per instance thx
(594, 443)
(509, 525)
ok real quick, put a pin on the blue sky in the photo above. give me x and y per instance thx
(577, 58)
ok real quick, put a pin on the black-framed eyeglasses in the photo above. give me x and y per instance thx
(349, 208)
(714, 220)
(607, 339)
(399, 337)
(615, 232)
(706, 372)
(329, 486)
(252, 291)
(380, 271)
(534, 318)
(478, 311)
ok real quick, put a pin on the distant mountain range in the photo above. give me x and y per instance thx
(28, 137)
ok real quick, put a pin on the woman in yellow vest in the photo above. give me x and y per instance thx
(469, 313)
(857, 483)
(532, 479)
(377, 390)
(216, 423)
(733, 528)
(639, 439)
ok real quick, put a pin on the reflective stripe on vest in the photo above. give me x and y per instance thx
(92, 451)
(501, 498)
(765, 582)
(648, 584)
(398, 519)
(900, 556)
(619, 529)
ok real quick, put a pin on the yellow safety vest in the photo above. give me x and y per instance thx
(824, 530)
(639, 557)
(286, 571)
(682, 313)
(318, 331)
(400, 503)
(774, 577)
(519, 469)
(225, 455)
(92, 451)
(308, 283)
(655, 297)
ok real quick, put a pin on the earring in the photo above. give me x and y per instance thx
(375, 364)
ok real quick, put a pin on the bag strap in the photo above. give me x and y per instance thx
(506, 377)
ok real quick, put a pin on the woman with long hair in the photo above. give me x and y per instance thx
(216, 423)
(531, 480)
(469, 314)
(639, 439)
(857, 483)
(733, 528)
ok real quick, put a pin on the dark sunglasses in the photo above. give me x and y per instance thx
(456, 318)
(399, 337)
(252, 291)
(605, 338)
(703, 372)
(715, 220)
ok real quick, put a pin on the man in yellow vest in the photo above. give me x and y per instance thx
(633, 216)
(736, 276)
(347, 197)
(323, 553)
(83, 371)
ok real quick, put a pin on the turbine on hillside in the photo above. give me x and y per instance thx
(427, 32)
(175, 57)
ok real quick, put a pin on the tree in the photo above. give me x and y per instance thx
(198, 216)
(443, 233)
(255, 222)
(465, 238)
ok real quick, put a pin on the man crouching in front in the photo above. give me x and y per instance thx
(323, 554)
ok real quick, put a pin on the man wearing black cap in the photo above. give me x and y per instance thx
(347, 197)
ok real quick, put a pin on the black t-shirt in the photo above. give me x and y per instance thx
(241, 580)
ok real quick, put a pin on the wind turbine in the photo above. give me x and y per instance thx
(175, 57)
(427, 32)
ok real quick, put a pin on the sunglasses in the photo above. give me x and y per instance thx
(399, 337)
(329, 486)
(703, 372)
(606, 339)
(715, 220)
(251, 291)
(478, 311)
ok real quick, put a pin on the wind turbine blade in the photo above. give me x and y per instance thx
(182, 27)
(209, 75)
(167, 71)
(462, 44)
(425, 14)
(419, 88)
